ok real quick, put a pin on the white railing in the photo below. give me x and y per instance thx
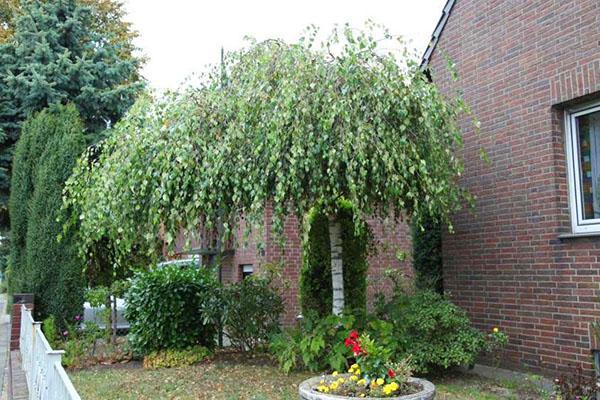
(46, 377)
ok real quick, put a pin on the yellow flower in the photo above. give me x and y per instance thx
(340, 381)
(357, 371)
(380, 381)
(322, 382)
(354, 366)
(322, 389)
(334, 385)
(354, 378)
(361, 382)
(390, 388)
(495, 330)
(362, 395)
(335, 373)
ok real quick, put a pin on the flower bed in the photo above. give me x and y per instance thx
(373, 376)
(418, 389)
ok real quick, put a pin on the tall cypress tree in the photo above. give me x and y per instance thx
(51, 269)
(64, 51)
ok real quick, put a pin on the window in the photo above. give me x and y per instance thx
(246, 270)
(583, 154)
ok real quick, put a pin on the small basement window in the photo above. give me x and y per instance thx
(583, 155)
(247, 270)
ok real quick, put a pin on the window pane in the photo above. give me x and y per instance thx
(247, 270)
(588, 130)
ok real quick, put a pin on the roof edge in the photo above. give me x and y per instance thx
(435, 36)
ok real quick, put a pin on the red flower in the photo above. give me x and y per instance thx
(349, 342)
(391, 373)
(353, 335)
(356, 349)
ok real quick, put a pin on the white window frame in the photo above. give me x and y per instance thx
(579, 225)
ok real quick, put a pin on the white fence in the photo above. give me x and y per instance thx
(46, 378)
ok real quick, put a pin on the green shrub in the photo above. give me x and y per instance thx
(315, 275)
(252, 311)
(176, 358)
(164, 309)
(43, 265)
(315, 345)
(50, 331)
(430, 328)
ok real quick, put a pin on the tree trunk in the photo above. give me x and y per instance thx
(337, 265)
(114, 320)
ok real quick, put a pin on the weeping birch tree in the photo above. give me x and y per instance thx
(290, 126)
(348, 119)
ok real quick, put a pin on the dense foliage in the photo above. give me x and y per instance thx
(426, 327)
(114, 196)
(164, 308)
(54, 52)
(427, 255)
(435, 332)
(315, 275)
(51, 143)
(291, 125)
(316, 345)
(7, 11)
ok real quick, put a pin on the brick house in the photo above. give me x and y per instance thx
(241, 257)
(528, 258)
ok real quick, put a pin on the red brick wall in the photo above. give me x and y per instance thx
(389, 238)
(15, 320)
(517, 61)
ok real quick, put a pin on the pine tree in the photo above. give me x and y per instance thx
(65, 51)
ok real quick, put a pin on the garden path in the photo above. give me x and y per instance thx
(13, 385)
(4, 341)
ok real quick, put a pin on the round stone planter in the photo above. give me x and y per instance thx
(307, 392)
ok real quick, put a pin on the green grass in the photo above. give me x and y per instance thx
(252, 379)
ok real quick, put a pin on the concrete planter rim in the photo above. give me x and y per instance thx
(307, 392)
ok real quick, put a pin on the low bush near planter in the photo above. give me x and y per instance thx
(434, 331)
(316, 345)
(176, 358)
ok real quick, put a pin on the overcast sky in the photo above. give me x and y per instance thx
(181, 37)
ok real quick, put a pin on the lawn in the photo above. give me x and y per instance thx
(228, 377)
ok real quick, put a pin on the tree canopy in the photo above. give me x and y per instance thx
(280, 125)
(65, 51)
